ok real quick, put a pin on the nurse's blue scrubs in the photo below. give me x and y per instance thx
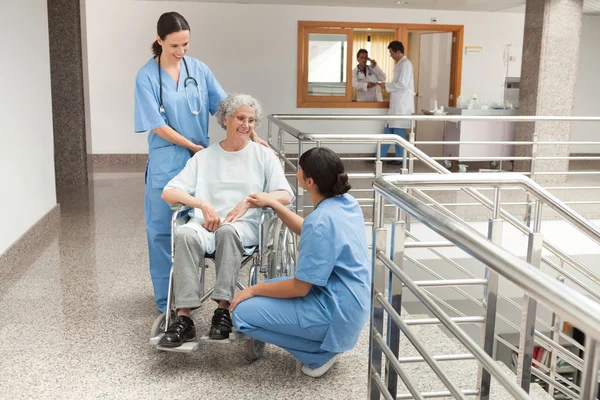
(333, 256)
(166, 159)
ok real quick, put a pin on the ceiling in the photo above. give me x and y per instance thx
(590, 6)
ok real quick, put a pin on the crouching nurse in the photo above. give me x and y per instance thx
(319, 313)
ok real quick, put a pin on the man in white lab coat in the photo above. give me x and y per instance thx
(402, 94)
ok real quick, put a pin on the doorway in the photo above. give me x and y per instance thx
(431, 53)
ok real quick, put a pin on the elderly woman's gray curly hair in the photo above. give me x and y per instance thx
(234, 101)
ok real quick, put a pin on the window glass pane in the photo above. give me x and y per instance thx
(327, 64)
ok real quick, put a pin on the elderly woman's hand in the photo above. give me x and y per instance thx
(262, 199)
(237, 212)
(212, 221)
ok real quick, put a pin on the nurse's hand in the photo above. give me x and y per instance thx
(241, 296)
(262, 199)
(196, 148)
(262, 142)
(237, 212)
(212, 221)
(258, 140)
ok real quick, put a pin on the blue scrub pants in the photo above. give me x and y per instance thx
(275, 321)
(157, 215)
(393, 131)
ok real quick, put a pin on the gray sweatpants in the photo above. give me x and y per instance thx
(189, 258)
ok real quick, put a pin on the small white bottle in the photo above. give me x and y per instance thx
(435, 106)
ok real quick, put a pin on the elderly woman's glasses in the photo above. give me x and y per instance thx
(241, 119)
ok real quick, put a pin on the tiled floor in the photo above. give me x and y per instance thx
(77, 318)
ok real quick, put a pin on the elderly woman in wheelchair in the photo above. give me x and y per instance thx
(216, 184)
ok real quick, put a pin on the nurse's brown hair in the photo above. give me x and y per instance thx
(326, 169)
(168, 23)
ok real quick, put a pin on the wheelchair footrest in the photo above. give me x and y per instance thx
(187, 347)
(234, 337)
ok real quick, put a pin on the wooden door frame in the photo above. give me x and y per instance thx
(305, 27)
(457, 56)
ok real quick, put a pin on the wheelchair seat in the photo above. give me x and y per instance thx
(270, 233)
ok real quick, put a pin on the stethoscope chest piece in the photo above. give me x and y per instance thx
(186, 82)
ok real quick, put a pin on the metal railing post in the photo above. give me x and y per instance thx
(556, 321)
(299, 190)
(377, 286)
(409, 169)
(490, 300)
(534, 149)
(589, 379)
(269, 131)
(395, 299)
(528, 317)
(378, 170)
(411, 156)
(280, 145)
(280, 142)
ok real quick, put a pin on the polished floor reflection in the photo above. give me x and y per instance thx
(77, 316)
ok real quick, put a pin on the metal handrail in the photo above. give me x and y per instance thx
(452, 326)
(450, 118)
(427, 160)
(584, 312)
(566, 301)
(501, 180)
(417, 155)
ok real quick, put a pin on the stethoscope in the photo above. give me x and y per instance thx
(367, 69)
(185, 86)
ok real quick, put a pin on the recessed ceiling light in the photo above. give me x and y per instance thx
(404, 2)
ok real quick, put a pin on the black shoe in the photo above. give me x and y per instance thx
(394, 162)
(221, 325)
(180, 331)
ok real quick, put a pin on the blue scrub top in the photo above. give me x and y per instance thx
(166, 159)
(334, 257)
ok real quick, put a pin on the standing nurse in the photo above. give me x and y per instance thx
(173, 95)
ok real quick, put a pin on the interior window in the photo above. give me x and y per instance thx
(327, 62)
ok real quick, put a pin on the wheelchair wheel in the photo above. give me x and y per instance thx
(254, 349)
(159, 324)
(288, 253)
(283, 257)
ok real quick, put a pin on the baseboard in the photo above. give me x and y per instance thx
(113, 159)
(29, 241)
(584, 154)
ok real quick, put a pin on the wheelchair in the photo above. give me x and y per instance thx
(275, 256)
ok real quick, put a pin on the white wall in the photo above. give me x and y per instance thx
(26, 142)
(587, 91)
(252, 49)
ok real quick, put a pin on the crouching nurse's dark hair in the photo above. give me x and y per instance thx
(326, 169)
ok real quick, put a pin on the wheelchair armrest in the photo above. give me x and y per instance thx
(178, 207)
